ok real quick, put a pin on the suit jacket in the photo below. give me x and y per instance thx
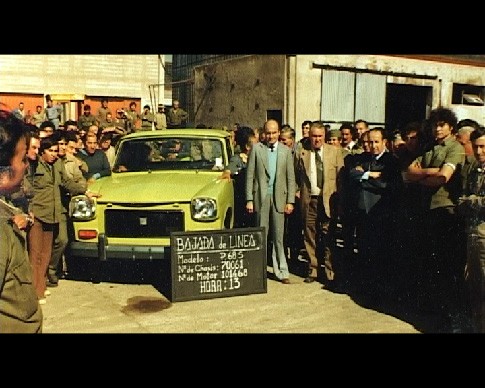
(333, 162)
(381, 194)
(257, 176)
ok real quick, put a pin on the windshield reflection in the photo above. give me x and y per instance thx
(169, 154)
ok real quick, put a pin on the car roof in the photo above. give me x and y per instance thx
(180, 132)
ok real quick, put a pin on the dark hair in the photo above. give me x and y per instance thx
(413, 126)
(443, 115)
(242, 136)
(70, 136)
(12, 131)
(33, 132)
(70, 122)
(47, 142)
(47, 123)
(105, 136)
(479, 132)
(59, 135)
(362, 121)
(350, 127)
(87, 107)
(384, 133)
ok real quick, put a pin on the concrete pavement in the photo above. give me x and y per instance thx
(136, 306)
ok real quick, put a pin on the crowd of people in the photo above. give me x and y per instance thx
(407, 204)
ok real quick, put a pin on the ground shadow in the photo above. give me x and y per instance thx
(157, 273)
(397, 297)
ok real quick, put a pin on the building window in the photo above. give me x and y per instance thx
(464, 94)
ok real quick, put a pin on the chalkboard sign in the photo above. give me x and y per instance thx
(214, 264)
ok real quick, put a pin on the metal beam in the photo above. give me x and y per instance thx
(371, 71)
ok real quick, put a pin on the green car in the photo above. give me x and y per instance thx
(162, 182)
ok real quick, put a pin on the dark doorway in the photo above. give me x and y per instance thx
(275, 114)
(406, 103)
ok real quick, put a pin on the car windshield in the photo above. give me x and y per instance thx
(169, 154)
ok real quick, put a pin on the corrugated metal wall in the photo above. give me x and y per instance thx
(337, 96)
(118, 77)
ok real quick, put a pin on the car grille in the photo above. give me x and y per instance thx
(142, 223)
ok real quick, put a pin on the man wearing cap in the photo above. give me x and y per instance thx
(334, 137)
(160, 118)
(86, 119)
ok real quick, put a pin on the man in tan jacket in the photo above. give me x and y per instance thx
(317, 168)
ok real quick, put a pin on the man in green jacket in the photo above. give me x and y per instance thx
(19, 309)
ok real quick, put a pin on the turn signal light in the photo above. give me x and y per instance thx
(87, 234)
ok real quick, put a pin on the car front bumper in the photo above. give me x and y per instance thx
(103, 251)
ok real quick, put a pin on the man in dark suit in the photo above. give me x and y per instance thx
(318, 167)
(377, 178)
(270, 191)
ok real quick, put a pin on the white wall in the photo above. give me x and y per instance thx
(93, 75)
(307, 92)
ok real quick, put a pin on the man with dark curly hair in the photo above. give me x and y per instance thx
(438, 174)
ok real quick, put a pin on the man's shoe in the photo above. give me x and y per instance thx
(52, 278)
(309, 279)
(50, 284)
(285, 281)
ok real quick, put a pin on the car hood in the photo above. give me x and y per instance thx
(156, 187)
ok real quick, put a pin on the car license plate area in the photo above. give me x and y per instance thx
(142, 223)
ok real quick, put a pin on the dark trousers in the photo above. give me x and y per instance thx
(375, 266)
(60, 243)
(475, 277)
(293, 232)
(440, 278)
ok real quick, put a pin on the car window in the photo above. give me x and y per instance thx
(169, 154)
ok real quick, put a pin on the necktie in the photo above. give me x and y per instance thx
(271, 147)
(373, 162)
(319, 165)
